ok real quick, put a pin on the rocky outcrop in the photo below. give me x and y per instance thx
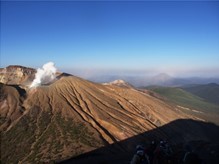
(17, 75)
(119, 83)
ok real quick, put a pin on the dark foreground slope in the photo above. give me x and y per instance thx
(201, 136)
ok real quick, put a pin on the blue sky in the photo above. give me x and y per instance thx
(162, 36)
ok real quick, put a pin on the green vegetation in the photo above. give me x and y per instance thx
(186, 99)
(77, 131)
(16, 143)
(209, 92)
(40, 136)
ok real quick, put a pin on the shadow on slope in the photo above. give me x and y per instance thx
(21, 91)
(201, 135)
(63, 75)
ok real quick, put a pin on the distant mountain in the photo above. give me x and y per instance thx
(209, 92)
(161, 79)
(167, 80)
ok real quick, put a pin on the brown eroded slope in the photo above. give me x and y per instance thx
(72, 116)
(11, 100)
(103, 107)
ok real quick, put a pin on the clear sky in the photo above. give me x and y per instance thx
(160, 36)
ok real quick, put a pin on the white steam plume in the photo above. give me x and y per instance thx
(44, 75)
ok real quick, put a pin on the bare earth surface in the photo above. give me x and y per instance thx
(72, 117)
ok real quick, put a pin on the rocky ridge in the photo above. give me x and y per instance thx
(17, 75)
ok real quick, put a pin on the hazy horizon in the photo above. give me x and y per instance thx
(113, 37)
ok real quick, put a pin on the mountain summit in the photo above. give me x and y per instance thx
(120, 83)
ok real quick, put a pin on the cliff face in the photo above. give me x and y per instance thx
(17, 75)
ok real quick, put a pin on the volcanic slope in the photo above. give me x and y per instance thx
(72, 116)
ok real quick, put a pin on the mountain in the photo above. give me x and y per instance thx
(16, 75)
(169, 81)
(164, 79)
(161, 79)
(72, 116)
(209, 92)
(188, 102)
(120, 83)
